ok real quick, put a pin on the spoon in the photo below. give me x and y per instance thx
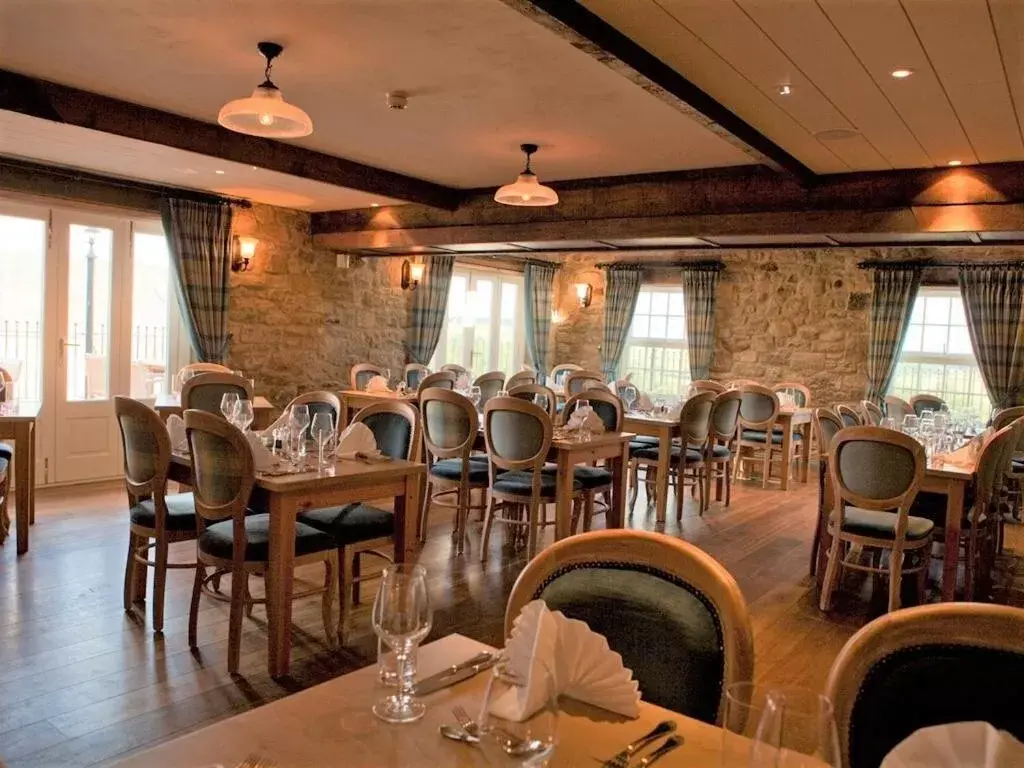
(456, 733)
(511, 746)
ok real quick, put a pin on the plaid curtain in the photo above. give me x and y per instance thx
(199, 240)
(537, 280)
(700, 282)
(892, 301)
(429, 306)
(994, 305)
(622, 286)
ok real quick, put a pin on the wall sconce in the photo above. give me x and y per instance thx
(584, 294)
(412, 274)
(244, 251)
(557, 317)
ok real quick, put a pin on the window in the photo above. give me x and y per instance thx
(483, 328)
(656, 352)
(937, 357)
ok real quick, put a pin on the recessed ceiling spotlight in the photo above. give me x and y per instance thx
(397, 100)
(901, 74)
(375, 205)
(219, 172)
(955, 163)
(254, 167)
(785, 90)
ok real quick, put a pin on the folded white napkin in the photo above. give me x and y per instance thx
(558, 656)
(282, 421)
(957, 745)
(644, 402)
(377, 384)
(462, 382)
(263, 460)
(585, 418)
(356, 438)
(176, 431)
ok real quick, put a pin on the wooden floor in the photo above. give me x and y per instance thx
(81, 682)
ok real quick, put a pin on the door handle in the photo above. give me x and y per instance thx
(62, 345)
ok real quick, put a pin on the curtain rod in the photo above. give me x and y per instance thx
(707, 266)
(935, 264)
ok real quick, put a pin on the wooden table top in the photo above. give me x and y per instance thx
(389, 395)
(331, 724)
(172, 400)
(20, 410)
(605, 438)
(650, 418)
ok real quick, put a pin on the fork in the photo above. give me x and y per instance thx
(622, 759)
(464, 720)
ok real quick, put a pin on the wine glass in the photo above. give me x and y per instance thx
(321, 430)
(402, 619)
(243, 414)
(298, 420)
(387, 376)
(910, 424)
(888, 423)
(475, 395)
(629, 397)
(228, 401)
(506, 741)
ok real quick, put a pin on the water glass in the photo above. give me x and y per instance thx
(243, 414)
(628, 395)
(475, 395)
(321, 430)
(507, 742)
(228, 401)
(402, 619)
(910, 425)
(888, 423)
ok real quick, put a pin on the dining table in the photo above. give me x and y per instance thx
(344, 482)
(794, 421)
(357, 399)
(263, 411)
(665, 429)
(332, 724)
(18, 423)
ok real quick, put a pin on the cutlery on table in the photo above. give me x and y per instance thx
(513, 746)
(660, 752)
(621, 760)
(454, 674)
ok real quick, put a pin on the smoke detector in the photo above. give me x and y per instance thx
(397, 100)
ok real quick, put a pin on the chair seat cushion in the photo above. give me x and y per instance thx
(351, 523)
(882, 525)
(932, 506)
(758, 435)
(721, 452)
(1018, 465)
(218, 539)
(6, 451)
(181, 513)
(587, 477)
(3, 467)
(451, 469)
(521, 484)
(645, 440)
(651, 454)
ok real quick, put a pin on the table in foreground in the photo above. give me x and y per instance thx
(262, 409)
(331, 724)
(18, 423)
(665, 429)
(351, 481)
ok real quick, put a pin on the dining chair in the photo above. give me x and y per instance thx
(579, 380)
(559, 373)
(359, 377)
(667, 607)
(414, 374)
(490, 383)
(232, 541)
(455, 368)
(707, 385)
(741, 383)
(450, 429)
(875, 471)
(871, 413)
(826, 426)
(518, 437)
(922, 402)
(156, 519)
(438, 380)
(759, 439)
(801, 394)
(927, 666)
(896, 408)
(850, 416)
(203, 392)
(1015, 474)
(537, 394)
(719, 454)
(593, 479)
(6, 386)
(522, 377)
(322, 401)
(361, 528)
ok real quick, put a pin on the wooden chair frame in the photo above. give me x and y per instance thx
(974, 625)
(358, 368)
(569, 367)
(431, 380)
(455, 368)
(412, 368)
(141, 538)
(820, 415)
(904, 408)
(924, 398)
(522, 377)
(852, 412)
(872, 413)
(744, 383)
(1014, 476)
(581, 375)
(323, 396)
(463, 487)
(203, 368)
(240, 568)
(801, 388)
(487, 378)
(537, 389)
(767, 449)
(206, 379)
(898, 545)
(719, 468)
(708, 385)
(665, 555)
(590, 494)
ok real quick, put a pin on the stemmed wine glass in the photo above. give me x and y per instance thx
(910, 424)
(321, 430)
(243, 414)
(298, 420)
(402, 619)
(474, 395)
(228, 401)
(505, 740)
(629, 397)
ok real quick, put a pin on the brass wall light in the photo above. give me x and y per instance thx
(584, 294)
(412, 274)
(243, 252)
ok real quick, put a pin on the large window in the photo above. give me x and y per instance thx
(656, 352)
(937, 357)
(483, 328)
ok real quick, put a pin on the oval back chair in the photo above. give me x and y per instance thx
(322, 401)
(759, 409)
(414, 374)
(707, 385)
(850, 416)
(560, 372)
(523, 377)
(203, 392)
(490, 383)
(668, 608)
(439, 380)
(801, 394)
(725, 418)
(826, 426)
(872, 413)
(606, 405)
(925, 402)
(537, 394)
(579, 380)
(743, 383)
(1006, 416)
(896, 408)
(455, 368)
(361, 374)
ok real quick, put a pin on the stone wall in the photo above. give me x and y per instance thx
(298, 322)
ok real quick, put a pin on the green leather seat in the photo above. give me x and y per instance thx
(651, 454)
(585, 477)
(181, 513)
(351, 523)
(451, 469)
(521, 484)
(759, 435)
(882, 525)
(218, 539)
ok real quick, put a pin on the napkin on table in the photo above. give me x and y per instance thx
(356, 438)
(176, 431)
(957, 745)
(585, 418)
(377, 384)
(644, 402)
(462, 382)
(263, 460)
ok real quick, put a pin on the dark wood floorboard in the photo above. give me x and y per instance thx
(82, 683)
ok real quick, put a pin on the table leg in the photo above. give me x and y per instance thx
(407, 507)
(787, 448)
(619, 467)
(661, 474)
(563, 497)
(280, 573)
(22, 476)
(951, 557)
(32, 473)
(805, 447)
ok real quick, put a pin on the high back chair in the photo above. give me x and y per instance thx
(203, 392)
(455, 368)
(926, 666)
(707, 385)
(742, 383)
(450, 424)
(758, 440)
(718, 458)
(439, 380)
(579, 380)
(850, 416)
(537, 394)
(826, 426)
(490, 384)
(156, 519)
(871, 413)
(322, 401)
(195, 368)
(414, 374)
(361, 373)
(925, 402)
(523, 377)
(801, 394)
(668, 608)
(556, 379)
(6, 386)
(234, 542)
(896, 408)
(875, 471)
(1015, 473)
(361, 528)
(518, 438)
(593, 479)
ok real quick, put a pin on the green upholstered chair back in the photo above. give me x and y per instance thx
(490, 385)
(849, 415)
(695, 418)
(222, 466)
(204, 391)
(537, 394)
(395, 428)
(449, 422)
(577, 381)
(725, 415)
(439, 380)
(759, 407)
(321, 401)
(994, 461)
(522, 377)
(924, 402)
(875, 469)
(414, 374)
(561, 372)
(517, 433)
(147, 446)
(827, 424)
(362, 373)
(607, 406)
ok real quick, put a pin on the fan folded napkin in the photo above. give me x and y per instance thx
(356, 438)
(377, 384)
(462, 383)
(176, 431)
(957, 745)
(585, 418)
(262, 459)
(967, 455)
(644, 402)
(558, 656)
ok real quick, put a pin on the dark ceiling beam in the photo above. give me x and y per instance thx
(593, 35)
(72, 106)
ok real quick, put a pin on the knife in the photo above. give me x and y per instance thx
(455, 674)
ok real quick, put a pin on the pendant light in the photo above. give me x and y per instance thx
(526, 190)
(266, 113)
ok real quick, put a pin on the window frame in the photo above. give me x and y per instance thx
(682, 345)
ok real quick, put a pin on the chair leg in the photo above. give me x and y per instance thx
(461, 519)
(680, 493)
(970, 564)
(239, 577)
(249, 604)
(159, 584)
(896, 560)
(588, 511)
(832, 571)
(767, 466)
(488, 524)
(634, 485)
(425, 511)
(356, 582)
(737, 461)
(327, 607)
(534, 525)
(727, 481)
(193, 609)
(346, 576)
(129, 573)
(924, 555)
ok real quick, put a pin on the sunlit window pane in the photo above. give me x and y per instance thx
(659, 303)
(643, 303)
(658, 326)
(913, 340)
(22, 260)
(151, 291)
(656, 353)
(960, 341)
(936, 310)
(917, 315)
(675, 304)
(934, 339)
(675, 328)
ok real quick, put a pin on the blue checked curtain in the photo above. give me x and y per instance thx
(537, 281)
(994, 305)
(429, 306)
(700, 282)
(622, 286)
(199, 241)
(892, 301)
